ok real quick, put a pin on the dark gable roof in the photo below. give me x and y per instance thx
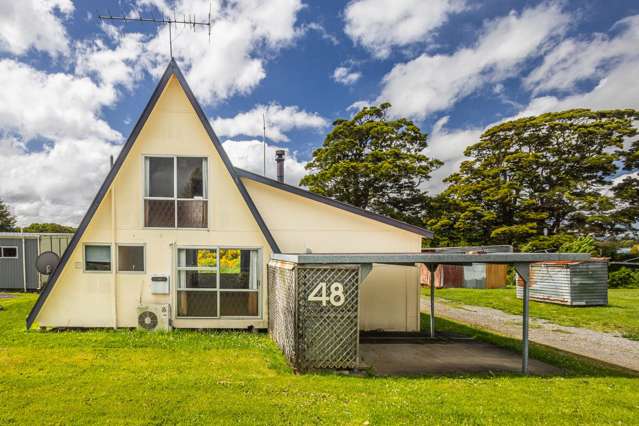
(319, 198)
(172, 69)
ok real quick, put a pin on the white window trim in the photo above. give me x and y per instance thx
(258, 273)
(117, 259)
(175, 198)
(2, 256)
(84, 258)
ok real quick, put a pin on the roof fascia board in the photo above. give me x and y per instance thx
(334, 203)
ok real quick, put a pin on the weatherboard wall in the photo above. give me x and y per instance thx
(85, 299)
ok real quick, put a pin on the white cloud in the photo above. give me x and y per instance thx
(448, 146)
(319, 28)
(379, 25)
(112, 66)
(346, 76)
(433, 83)
(54, 143)
(243, 35)
(574, 61)
(37, 24)
(279, 120)
(356, 106)
(612, 62)
(36, 104)
(55, 184)
(249, 155)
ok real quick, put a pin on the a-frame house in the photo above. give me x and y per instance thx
(175, 224)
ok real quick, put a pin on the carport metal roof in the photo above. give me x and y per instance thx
(520, 261)
(448, 258)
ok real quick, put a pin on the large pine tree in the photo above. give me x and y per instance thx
(374, 162)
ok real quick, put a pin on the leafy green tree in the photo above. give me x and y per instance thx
(374, 162)
(585, 244)
(7, 220)
(49, 227)
(626, 192)
(535, 176)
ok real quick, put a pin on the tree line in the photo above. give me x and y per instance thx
(534, 182)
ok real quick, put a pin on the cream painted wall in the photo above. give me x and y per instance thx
(86, 299)
(389, 297)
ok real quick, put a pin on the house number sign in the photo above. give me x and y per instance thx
(334, 295)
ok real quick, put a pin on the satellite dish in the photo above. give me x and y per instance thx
(47, 262)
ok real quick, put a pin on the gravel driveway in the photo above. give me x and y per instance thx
(605, 347)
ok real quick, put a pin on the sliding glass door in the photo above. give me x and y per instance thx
(217, 282)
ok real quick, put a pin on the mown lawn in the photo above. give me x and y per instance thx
(189, 377)
(620, 316)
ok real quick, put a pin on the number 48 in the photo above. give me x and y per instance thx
(336, 297)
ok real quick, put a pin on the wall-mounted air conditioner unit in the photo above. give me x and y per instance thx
(155, 317)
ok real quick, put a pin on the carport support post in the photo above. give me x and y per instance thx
(522, 271)
(431, 270)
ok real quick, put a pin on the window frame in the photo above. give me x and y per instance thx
(144, 258)
(217, 289)
(2, 256)
(175, 198)
(84, 258)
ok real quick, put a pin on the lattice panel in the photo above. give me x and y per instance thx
(328, 335)
(282, 305)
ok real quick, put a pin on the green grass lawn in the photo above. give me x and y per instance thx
(189, 377)
(621, 315)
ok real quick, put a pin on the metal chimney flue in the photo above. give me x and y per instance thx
(279, 159)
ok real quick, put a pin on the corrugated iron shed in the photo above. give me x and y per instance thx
(569, 282)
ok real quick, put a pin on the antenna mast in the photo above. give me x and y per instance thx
(165, 20)
(264, 141)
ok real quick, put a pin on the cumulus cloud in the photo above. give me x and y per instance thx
(55, 184)
(279, 121)
(431, 83)
(611, 62)
(34, 103)
(346, 76)
(380, 25)
(249, 155)
(448, 146)
(112, 66)
(243, 35)
(577, 60)
(36, 24)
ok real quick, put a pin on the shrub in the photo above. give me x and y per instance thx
(580, 245)
(623, 278)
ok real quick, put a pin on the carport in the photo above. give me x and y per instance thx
(314, 307)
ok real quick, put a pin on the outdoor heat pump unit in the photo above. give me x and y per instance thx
(160, 284)
(154, 317)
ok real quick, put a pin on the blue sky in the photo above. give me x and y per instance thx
(75, 86)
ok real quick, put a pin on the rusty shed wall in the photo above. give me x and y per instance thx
(446, 276)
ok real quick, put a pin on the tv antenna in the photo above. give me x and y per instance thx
(264, 142)
(187, 21)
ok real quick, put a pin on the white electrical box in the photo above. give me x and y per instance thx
(160, 284)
